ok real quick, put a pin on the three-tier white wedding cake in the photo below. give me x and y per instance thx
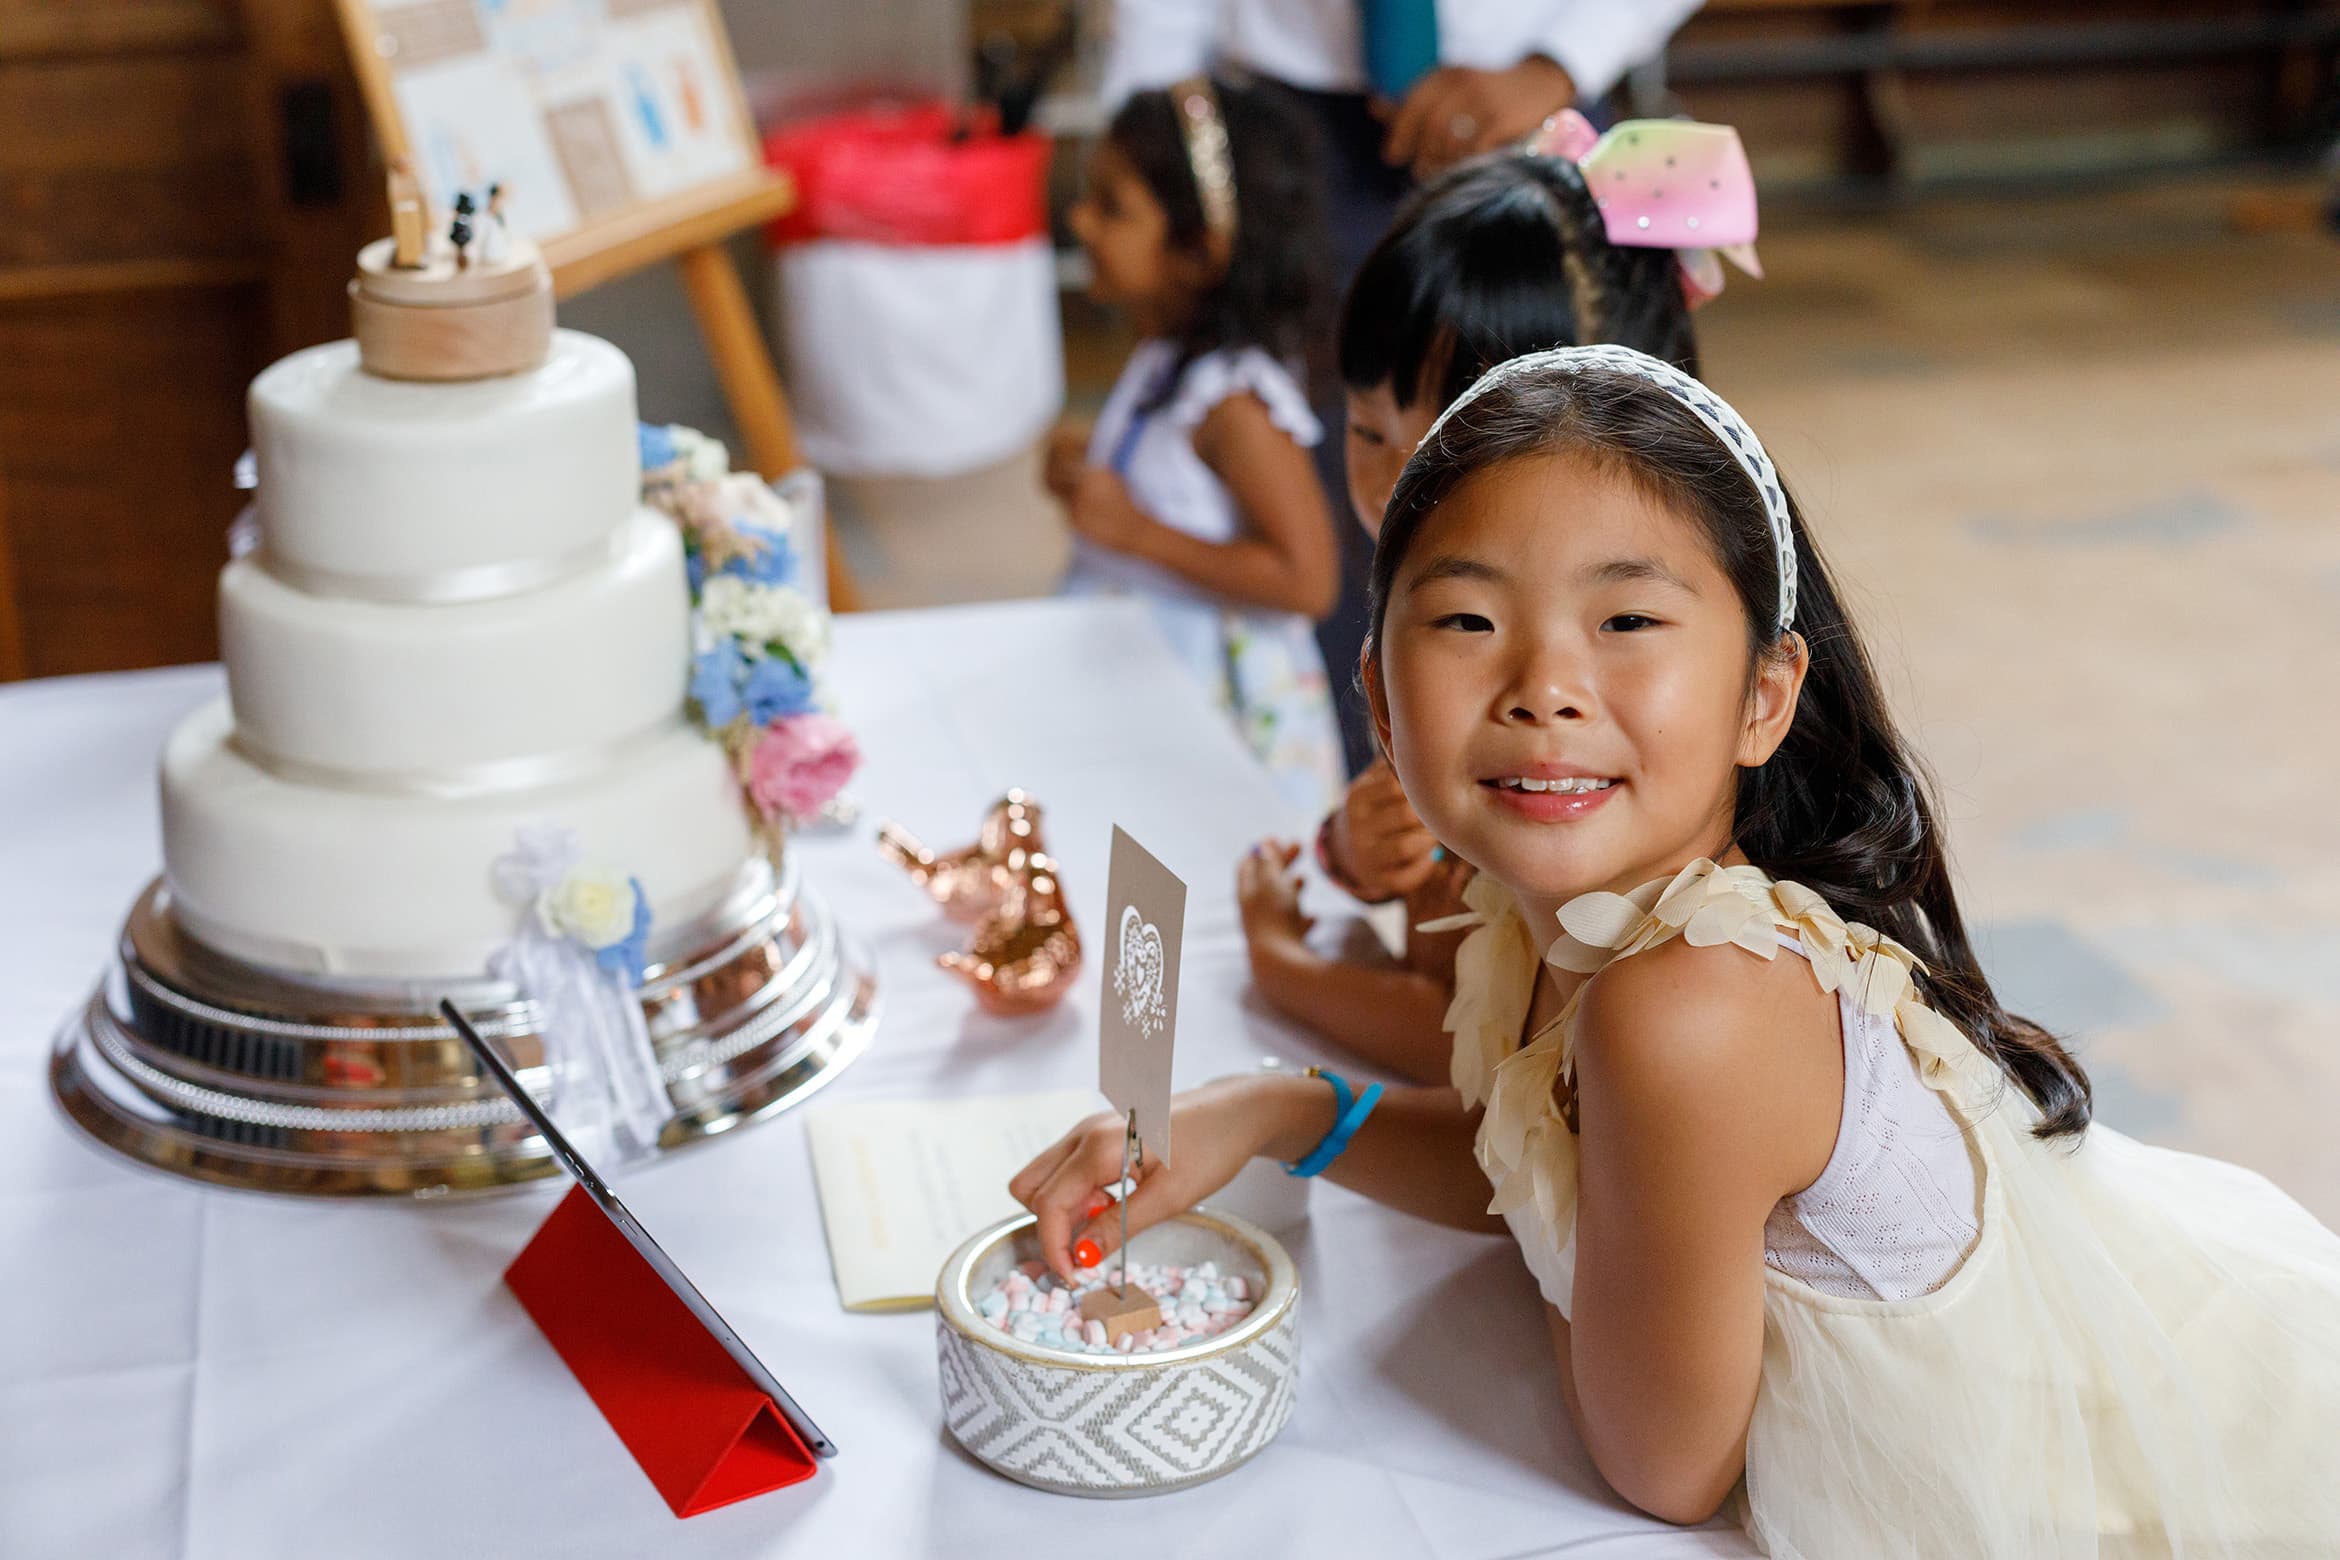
(468, 756)
(459, 621)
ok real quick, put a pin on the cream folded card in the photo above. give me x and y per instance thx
(903, 1182)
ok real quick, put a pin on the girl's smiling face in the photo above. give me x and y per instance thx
(1563, 680)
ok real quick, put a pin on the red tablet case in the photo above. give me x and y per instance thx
(701, 1429)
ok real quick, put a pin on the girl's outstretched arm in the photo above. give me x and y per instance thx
(1392, 1016)
(1414, 1153)
(1286, 559)
(1389, 1016)
(1708, 1088)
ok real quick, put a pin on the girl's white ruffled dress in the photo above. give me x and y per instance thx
(1261, 667)
(2140, 1354)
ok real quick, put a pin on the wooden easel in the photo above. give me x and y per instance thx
(691, 229)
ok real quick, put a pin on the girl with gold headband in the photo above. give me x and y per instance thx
(1194, 491)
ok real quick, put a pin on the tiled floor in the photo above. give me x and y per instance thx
(2077, 460)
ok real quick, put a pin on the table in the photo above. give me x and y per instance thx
(199, 1373)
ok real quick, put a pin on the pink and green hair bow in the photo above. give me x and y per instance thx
(1666, 184)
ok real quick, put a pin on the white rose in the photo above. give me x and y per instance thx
(798, 624)
(591, 904)
(727, 606)
(761, 614)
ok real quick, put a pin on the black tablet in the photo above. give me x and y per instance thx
(637, 1237)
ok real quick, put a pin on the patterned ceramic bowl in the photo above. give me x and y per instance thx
(1142, 1424)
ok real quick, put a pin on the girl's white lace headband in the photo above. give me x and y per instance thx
(1716, 413)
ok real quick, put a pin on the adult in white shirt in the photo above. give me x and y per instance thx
(1504, 66)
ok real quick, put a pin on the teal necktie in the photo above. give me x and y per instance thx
(1401, 43)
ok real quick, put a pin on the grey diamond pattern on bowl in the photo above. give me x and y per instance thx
(1106, 1431)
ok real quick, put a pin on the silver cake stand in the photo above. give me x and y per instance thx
(212, 1068)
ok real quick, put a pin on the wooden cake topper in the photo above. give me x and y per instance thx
(410, 219)
(474, 305)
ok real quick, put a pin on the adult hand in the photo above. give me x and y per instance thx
(1066, 458)
(1267, 894)
(1456, 112)
(1380, 839)
(1100, 510)
(1214, 1131)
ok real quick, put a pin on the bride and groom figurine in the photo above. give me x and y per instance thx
(479, 232)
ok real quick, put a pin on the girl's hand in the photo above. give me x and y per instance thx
(1456, 112)
(1215, 1131)
(1383, 845)
(1267, 892)
(1067, 457)
(1102, 512)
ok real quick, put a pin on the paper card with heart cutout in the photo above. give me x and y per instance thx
(1145, 918)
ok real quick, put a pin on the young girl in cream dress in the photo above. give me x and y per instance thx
(1826, 1232)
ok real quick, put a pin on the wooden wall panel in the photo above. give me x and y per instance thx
(36, 28)
(154, 253)
(12, 665)
(120, 421)
(125, 158)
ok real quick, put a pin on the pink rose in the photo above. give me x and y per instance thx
(800, 762)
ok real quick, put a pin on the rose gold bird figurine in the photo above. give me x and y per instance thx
(969, 884)
(1024, 954)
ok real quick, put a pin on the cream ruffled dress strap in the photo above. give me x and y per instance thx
(1524, 1144)
(2140, 1355)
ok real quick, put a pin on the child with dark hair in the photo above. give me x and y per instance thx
(1826, 1233)
(1194, 491)
(1500, 256)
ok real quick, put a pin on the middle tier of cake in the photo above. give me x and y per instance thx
(479, 695)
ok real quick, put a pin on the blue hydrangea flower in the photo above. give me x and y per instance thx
(626, 959)
(657, 445)
(694, 565)
(715, 683)
(777, 686)
(777, 566)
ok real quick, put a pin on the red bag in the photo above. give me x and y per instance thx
(896, 176)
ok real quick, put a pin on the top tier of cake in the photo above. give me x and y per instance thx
(393, 490)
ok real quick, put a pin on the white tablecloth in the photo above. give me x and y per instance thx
(229, 1376)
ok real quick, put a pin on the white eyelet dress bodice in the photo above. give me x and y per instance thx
(1894, 1212)
(2071, 1349)
(1261, 667)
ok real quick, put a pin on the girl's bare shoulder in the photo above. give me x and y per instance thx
(1718, 1035)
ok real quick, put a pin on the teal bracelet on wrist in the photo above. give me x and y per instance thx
(1349, 1113)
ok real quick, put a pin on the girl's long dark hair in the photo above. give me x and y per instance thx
(1273, 293)
(1501, 256)
(1842, 807)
